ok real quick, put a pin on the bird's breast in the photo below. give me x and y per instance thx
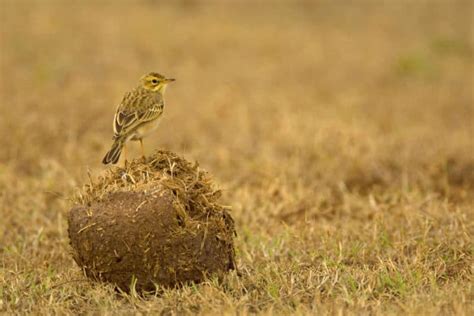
(146, 129)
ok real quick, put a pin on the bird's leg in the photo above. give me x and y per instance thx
(143, 148)
(125, 155)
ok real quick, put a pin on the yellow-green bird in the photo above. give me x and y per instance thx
(138, 114)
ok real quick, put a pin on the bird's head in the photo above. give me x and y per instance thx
(155, 82)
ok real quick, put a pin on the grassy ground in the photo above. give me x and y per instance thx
(341, 135)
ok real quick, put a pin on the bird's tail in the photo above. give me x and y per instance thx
(113, 154)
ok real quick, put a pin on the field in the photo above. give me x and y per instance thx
(341, 135)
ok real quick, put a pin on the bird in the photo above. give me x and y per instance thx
(138, 114)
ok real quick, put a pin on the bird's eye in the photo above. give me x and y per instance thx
(154, 81)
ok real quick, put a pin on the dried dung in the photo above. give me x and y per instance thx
(154, 222)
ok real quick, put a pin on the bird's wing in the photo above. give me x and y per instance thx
(134, 111)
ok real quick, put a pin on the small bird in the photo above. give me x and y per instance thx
(138, 114)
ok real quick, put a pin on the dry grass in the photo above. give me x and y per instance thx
(341, 135)
(160, 170)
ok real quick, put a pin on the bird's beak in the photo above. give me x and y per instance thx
(168, 80)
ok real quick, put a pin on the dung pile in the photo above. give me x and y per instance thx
(154, 222)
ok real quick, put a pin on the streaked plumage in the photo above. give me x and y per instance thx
(138, 114)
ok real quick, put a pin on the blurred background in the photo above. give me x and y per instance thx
(256, 79)
(326, 114)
